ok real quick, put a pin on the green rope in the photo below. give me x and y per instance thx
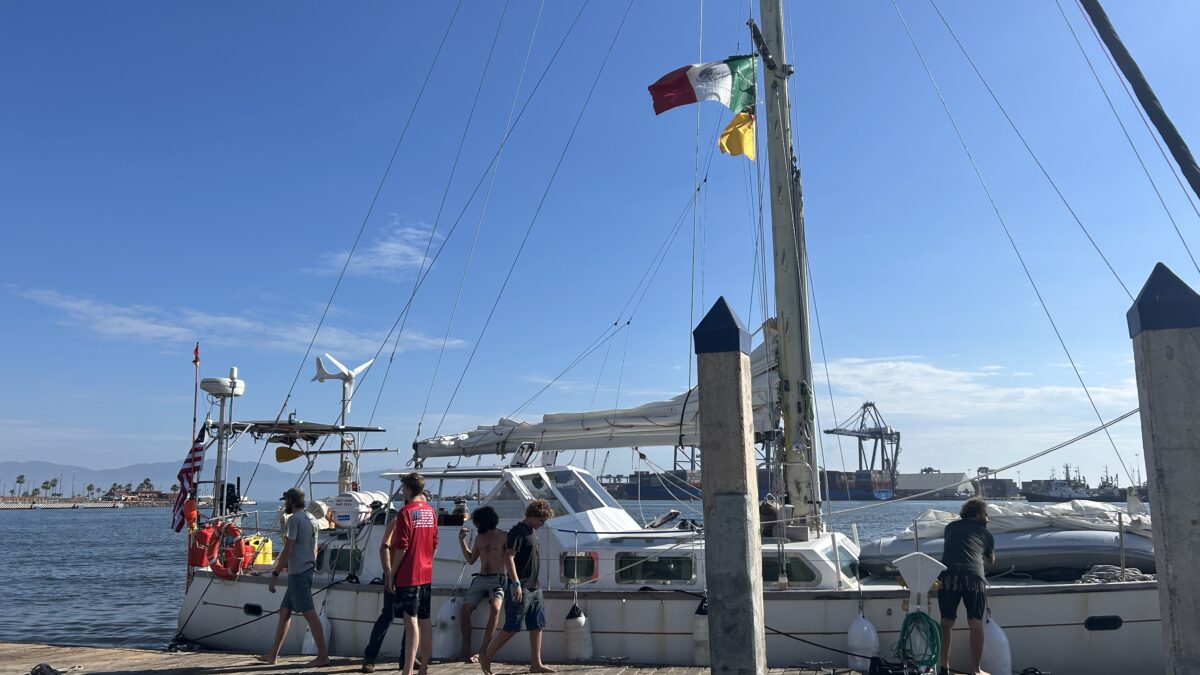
(929, 633)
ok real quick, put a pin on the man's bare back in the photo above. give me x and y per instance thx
(490, 547)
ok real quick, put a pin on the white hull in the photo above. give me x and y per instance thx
(1044, 623)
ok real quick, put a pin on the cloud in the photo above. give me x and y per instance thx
(393, 255)
(144, 323)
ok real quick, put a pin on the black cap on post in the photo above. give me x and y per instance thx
(1165, 302)
(721, 331)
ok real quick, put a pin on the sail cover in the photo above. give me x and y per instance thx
(662, 423)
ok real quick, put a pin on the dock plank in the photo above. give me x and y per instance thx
(21, 657)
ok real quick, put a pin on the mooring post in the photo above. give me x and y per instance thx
(1164, 324)
(732, 548)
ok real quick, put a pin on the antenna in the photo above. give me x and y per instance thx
(346, 469)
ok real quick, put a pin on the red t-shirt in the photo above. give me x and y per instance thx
(417, 533)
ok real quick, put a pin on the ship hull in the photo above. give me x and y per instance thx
(1044, 623)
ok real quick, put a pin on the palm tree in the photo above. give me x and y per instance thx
(174, 487)
(145, 485)
(20, 483)
(46, 486)
(90, 489)
(35, 492)
(54, 484)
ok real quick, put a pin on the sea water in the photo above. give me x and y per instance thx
(116, 576)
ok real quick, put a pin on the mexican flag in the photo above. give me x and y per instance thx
(730, 82)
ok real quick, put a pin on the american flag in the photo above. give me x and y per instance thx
(188, 473)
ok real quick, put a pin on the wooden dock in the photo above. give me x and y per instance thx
(21, 657)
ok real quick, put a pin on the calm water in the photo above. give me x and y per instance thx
(116, 577)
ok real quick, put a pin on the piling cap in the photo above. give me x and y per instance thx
(721, 331)
(1165, 302)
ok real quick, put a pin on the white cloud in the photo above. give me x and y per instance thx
(397, 252)
(143, 323)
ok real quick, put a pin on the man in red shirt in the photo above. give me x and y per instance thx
(414, 540)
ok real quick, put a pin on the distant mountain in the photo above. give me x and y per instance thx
(269, 482)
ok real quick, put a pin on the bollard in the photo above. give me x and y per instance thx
(733, 568)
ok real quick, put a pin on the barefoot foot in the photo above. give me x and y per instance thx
(542, 669)
(269, 660)
(318, 662)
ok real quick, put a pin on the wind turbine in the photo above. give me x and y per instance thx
(345, 469)
(345, 375)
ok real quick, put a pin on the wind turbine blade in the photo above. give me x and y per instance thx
(321, 372)
(338, 364)
(358, 370)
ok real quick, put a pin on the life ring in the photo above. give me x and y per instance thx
(233, 553)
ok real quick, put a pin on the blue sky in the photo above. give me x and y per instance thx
(175, 172)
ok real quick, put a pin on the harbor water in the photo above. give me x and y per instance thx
(116, 576)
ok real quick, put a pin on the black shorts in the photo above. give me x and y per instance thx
(967, 588)
(413, 601)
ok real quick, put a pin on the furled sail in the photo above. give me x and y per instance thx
(662, 423)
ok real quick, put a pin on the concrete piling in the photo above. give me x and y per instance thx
(732, 548)
(1164, 324)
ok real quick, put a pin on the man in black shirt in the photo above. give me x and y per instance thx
(967, 546)
(523, 602)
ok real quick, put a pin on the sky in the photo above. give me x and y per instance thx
(181, 172)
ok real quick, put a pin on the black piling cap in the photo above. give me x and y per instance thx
(721, 331)
(1165, 302)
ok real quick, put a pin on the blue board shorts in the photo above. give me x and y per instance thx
(298, 596)
(530, 611)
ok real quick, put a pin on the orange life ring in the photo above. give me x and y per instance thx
(233, 553)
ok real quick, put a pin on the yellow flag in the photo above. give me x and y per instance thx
(738, 137)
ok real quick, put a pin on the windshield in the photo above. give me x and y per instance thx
(597, 489)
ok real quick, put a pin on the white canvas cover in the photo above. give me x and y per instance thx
(1017, 516)
(662, 423)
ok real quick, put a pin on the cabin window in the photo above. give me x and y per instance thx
(633, 568)
(577, 567)
(540, 489)
(599, 490)
(575, 492)
(795, 567)
(508, 504)
(849, 562)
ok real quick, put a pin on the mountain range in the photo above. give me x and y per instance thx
(268, 483)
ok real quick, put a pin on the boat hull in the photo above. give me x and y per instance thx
(1045, 623)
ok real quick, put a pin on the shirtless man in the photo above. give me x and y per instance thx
(488, 583)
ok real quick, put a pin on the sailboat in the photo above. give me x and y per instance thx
(642, 587)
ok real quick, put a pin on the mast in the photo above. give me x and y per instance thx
(1145, 95)
(791, 275)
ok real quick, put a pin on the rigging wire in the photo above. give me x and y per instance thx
(1125, 131)
(695, 213)
(1029, 149)
(424, 274)
(536, 213)
(1137, 106)
(486, 199)
(361, 228)
(1008, 234)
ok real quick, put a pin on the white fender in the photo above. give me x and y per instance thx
(578, 635)
(309, 646)
(862, 639)
(997, 657)
(700, 634)
(447, 640)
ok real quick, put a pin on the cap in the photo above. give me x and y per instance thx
(294, 493)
